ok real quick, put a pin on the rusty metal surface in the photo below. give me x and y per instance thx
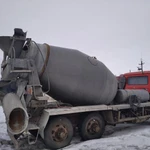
(16, 115)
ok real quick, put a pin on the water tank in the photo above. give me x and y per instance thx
(74, 77)
(122, 95)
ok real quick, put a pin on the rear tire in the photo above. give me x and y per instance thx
(58, 133)
(92, 127)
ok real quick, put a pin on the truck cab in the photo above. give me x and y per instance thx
(135, 80)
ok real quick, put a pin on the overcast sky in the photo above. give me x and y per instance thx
(117, 32)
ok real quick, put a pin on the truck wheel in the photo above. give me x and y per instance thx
(58, 133)
(92, 127)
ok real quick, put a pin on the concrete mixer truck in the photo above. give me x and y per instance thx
(52, 92)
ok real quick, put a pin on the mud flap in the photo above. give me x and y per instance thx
(34, 132)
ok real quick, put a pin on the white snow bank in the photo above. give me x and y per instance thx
(4, 138)
(126, 137)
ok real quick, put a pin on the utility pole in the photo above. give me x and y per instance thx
(141, 66)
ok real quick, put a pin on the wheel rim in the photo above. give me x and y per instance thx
(59, 133)
(93, 126)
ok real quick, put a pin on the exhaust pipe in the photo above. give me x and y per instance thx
(16, 115)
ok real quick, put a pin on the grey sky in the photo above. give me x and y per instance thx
(117, 32)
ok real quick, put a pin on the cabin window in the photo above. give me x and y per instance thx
(140, 80)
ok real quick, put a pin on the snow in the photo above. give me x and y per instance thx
(5, 143)
(124, 137)
(120, 137)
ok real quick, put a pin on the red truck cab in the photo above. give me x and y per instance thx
(135, 80)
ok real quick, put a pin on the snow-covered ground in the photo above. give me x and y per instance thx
(5, 143)
(120, 137)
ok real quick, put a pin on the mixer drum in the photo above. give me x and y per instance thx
(74, 77)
